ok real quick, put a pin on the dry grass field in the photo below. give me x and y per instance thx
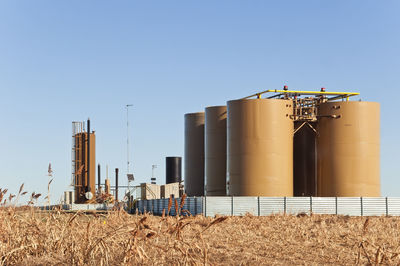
(31, 237)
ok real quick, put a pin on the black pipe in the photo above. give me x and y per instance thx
(88, 155)
(116, 184)
(98, 177)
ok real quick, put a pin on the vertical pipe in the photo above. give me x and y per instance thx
(362, 208)
(387, 206)
(88, 155)
(98, 178)
(116, 184)
(82, 181)
(336, 208)
(284, 205)
(107, 186)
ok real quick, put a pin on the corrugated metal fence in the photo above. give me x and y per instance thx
(262, 206)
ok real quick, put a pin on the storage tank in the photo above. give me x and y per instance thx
(260, 147)
(84, 179)
(194, 154)
(304, 159)
(215, 151)
(349, 149)
(173, 170)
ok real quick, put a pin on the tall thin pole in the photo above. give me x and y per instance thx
(127, 137)
(127, 145)
(116, 184)
(98, 179)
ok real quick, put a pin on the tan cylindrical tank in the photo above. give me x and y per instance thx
(260, 147)
(215, 151)
(304, 159)
(194, 154)
(348, 149)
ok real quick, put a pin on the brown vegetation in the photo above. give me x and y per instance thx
(28, 236)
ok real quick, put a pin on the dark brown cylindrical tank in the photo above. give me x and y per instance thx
(194, 154)
(348, 149)
(215, 151)
(260, 147)
(304, 159)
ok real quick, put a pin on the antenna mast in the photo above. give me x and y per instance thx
(127, 139)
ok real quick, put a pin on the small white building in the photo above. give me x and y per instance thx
(170, 189)
(149, 191)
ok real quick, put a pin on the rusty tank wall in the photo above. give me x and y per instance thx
(215, 151)
(260, 147)
(81, 164)
(304, 159)
(92, 162)
(194, 154)
(348, 149)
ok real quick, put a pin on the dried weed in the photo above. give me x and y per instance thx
(29, 236)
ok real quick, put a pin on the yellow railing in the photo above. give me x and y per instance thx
(294, 92)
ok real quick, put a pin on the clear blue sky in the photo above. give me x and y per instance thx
(68, 60)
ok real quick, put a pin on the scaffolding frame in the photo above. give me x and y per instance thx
(77, 127)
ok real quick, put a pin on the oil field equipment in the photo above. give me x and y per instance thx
(83, 162)
(336, 143)
(348, 149)
(173, 170)
(194, 154)
(260, 147)
(215, 151)
(304, 159)
(286, 143)
(107, 187)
